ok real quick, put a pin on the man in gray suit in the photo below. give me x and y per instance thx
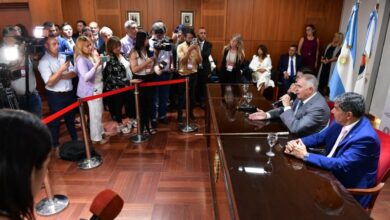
(308, 114)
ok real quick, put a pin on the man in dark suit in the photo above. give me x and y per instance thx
(204, 69)
(308, 114)
(289, 64)
(98, 40)
(352, 146)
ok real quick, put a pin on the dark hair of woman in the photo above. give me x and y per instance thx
(24, 31)
(312, 27)
(140, 42)
(112, 43)
(25, 144)
(264, 49)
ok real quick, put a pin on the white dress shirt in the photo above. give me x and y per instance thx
(49, 65)
(344, 132)
(289, 66)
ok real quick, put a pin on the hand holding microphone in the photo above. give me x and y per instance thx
(279, 103)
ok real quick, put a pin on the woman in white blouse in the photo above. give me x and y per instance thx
(261, 66)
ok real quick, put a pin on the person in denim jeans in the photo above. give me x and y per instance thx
(159, 43)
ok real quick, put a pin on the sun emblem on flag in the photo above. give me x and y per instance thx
(343, 59)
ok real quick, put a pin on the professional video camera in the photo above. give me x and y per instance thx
(163, 44)
(7, 94)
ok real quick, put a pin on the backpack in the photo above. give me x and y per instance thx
(75, 151)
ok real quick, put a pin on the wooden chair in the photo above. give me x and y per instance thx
(383, 171)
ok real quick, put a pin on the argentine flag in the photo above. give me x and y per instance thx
(342, 77)
(360, 86)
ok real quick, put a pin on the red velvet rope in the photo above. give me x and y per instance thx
(74, 105)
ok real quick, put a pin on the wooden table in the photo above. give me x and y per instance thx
(246, 184)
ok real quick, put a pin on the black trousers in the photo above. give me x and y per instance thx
(116, 104)
(145, 101)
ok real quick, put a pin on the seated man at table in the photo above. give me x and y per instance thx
(308, 114)
(352, 146)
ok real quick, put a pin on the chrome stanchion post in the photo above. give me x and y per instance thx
(52, 204)
(139, 137)
(89, 162)
(188, 127)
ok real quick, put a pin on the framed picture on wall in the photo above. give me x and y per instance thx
(135, 16)
(187, 18)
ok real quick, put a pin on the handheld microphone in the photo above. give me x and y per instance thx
(106, 205)
(279, 103)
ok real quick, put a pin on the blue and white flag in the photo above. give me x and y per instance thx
(360, 86)
(342, 77)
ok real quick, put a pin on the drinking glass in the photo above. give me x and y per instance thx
(268, 168)
(245, 88)
(249, 97)
(272, 138)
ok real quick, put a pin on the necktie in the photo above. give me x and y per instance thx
(292, 69)
(300, 103)
(342, 134)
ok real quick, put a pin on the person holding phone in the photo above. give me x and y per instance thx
(189, 57)
(141, 64)
(89, 69)
(116, 75)
(57, 73)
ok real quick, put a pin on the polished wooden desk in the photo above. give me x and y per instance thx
(281, 187)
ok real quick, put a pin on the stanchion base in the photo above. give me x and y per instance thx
(139, 138)
(187, 128)
(91, 163)
(52, 206)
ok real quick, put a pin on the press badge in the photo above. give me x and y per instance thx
(23, 72)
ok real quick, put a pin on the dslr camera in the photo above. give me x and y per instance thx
(164, 44)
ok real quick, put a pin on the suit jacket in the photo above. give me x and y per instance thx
(205, 52)
(283, 63)
(311, 117)
(355, 161)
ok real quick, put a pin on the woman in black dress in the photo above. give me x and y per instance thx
(328, 61)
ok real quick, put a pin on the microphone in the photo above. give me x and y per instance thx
(279, 103)
(106, 205)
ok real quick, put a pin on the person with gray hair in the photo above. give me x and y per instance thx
(352, 146)
(105, 33)
(128, 41)
(308, 114)
(160, 46)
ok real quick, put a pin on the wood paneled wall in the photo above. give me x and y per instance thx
(276, 23)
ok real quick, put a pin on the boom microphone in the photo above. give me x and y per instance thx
(106, 205)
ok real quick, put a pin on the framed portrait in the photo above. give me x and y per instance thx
(135, 16)
(187, 18)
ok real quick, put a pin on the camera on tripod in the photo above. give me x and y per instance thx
(7, 94)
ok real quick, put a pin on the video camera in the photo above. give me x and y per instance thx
(165, 44)
(6, 75)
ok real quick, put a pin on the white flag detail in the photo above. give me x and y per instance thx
(361, 83)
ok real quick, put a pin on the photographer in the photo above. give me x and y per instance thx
(16, 62)
(161, 45)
